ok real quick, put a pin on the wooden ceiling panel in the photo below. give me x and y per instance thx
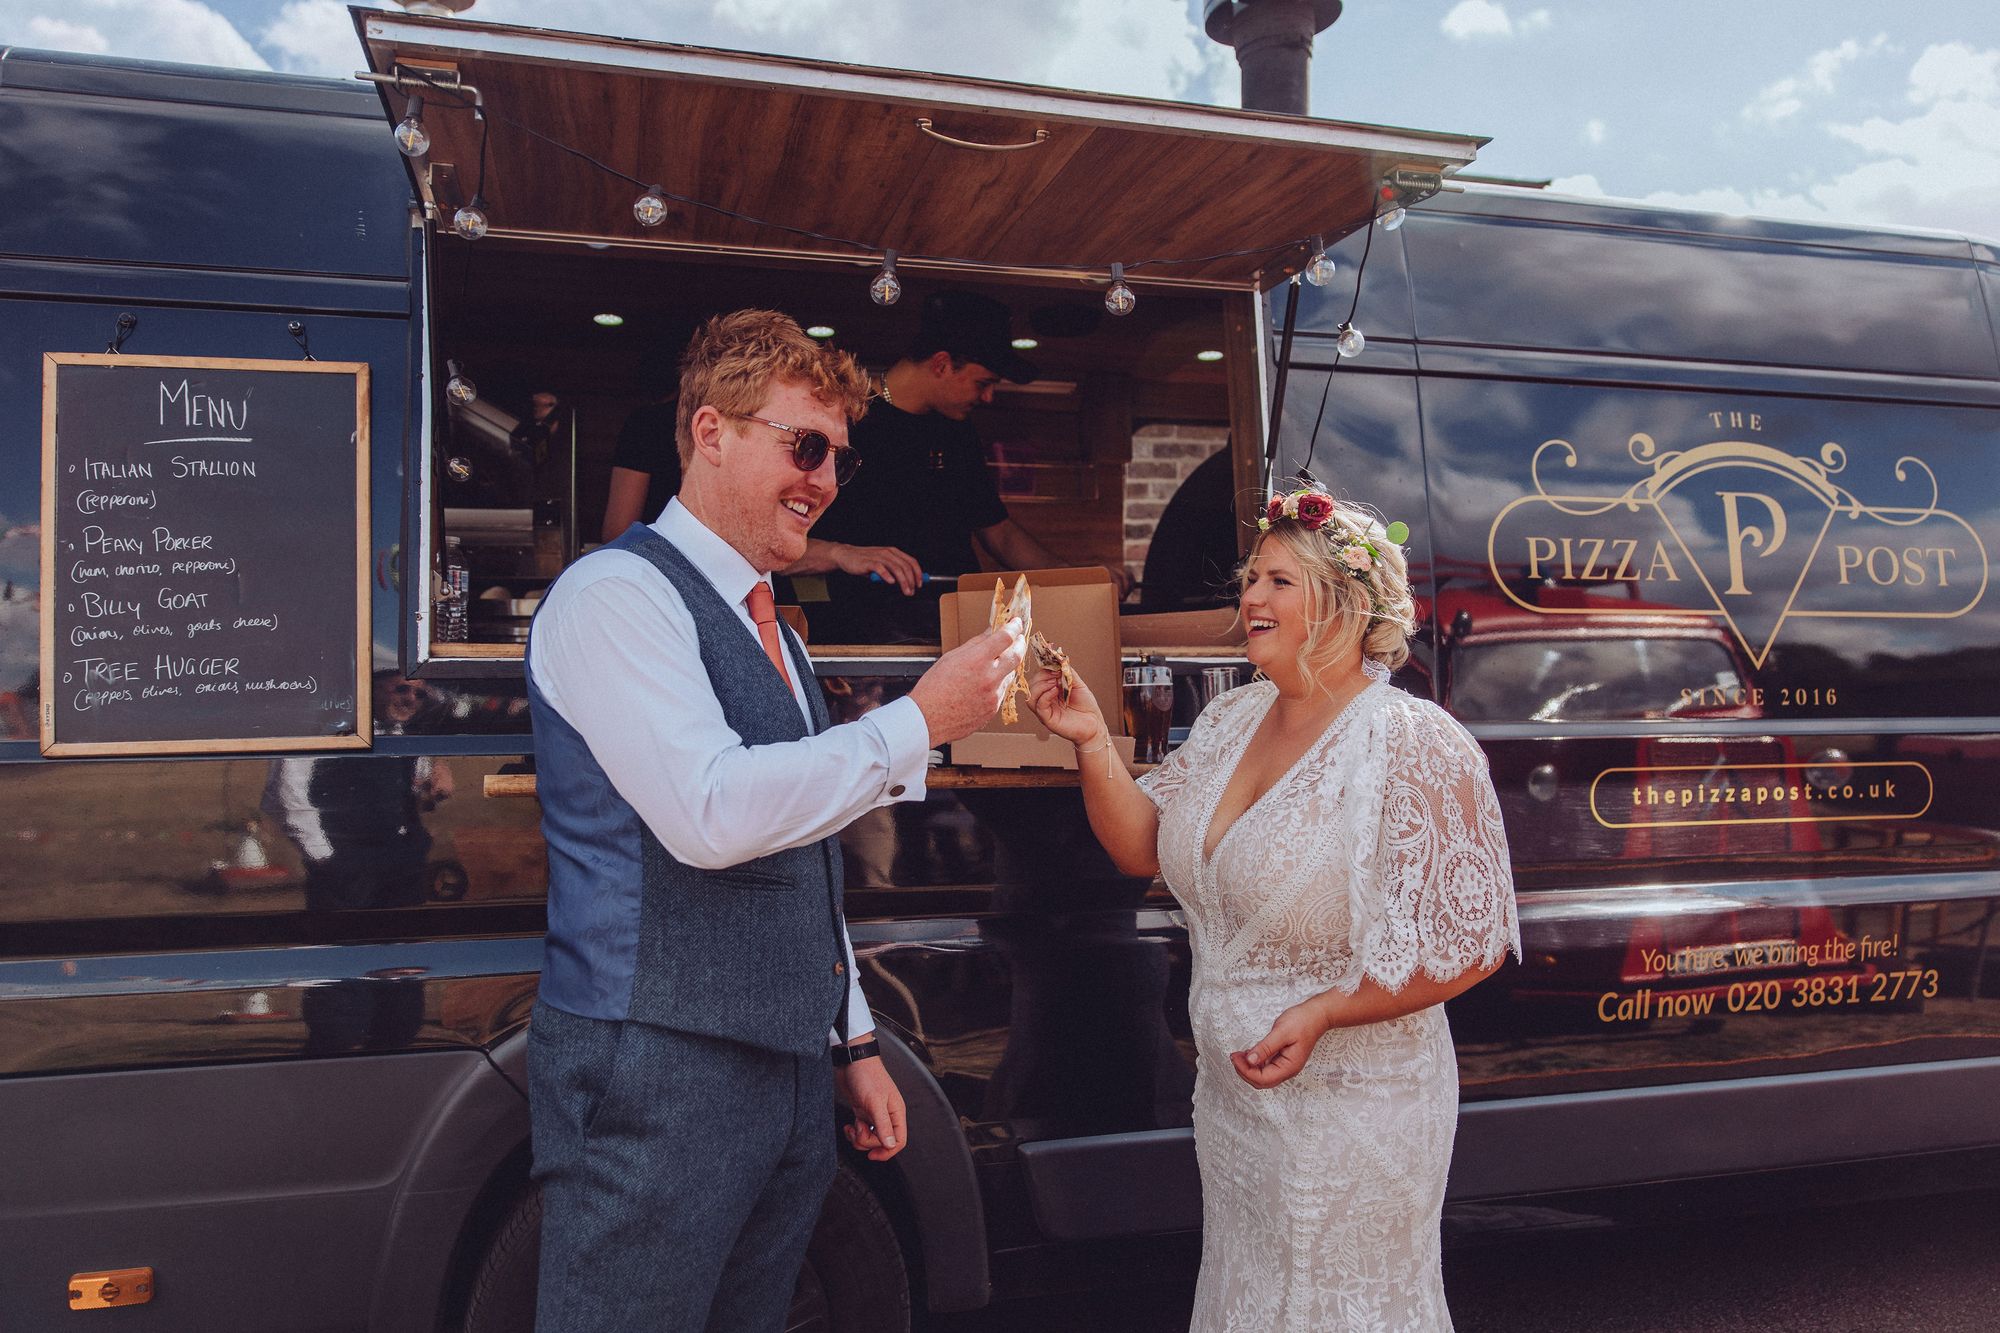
(837, 150)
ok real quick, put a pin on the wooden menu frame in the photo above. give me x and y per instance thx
(362, 736)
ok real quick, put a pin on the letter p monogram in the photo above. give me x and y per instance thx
(1738, 534)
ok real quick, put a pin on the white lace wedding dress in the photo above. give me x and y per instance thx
(1379, 856)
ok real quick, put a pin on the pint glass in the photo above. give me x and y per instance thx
(1149, 708)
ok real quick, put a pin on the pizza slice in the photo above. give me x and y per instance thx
(1056, 660)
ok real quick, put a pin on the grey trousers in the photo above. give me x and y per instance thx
(681, 1176)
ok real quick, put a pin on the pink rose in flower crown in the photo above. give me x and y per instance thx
(1315, 509)
(1357, 559)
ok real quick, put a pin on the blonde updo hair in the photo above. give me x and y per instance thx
(1373, 611)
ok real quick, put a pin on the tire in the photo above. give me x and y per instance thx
(501, 1298)
(853, 1280)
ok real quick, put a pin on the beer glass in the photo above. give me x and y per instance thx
(1149, 708)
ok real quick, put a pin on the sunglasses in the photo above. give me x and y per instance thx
(810, 448)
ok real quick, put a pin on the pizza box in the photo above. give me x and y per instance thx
(1077, 609)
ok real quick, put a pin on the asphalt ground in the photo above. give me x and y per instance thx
(1915, 1265)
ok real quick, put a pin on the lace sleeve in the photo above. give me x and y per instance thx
(1165, 781)
(1439, 895)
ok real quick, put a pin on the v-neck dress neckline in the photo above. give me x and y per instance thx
(1227, 772)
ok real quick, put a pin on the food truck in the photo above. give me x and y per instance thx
(301, 427)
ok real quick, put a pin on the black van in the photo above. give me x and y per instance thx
(1699, 507)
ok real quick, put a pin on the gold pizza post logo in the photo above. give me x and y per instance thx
(1760, 535)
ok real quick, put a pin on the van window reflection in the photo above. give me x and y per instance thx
(1584, 680)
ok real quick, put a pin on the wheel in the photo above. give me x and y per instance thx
(853, 1280)
(502, 1295)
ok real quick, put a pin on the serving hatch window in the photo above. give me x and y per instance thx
(560, 366)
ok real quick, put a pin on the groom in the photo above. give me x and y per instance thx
(699, 1007)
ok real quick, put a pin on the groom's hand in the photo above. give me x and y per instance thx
(878, 1125)
(963, 689)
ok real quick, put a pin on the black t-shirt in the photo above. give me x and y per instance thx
(646, 444)
(923, 487)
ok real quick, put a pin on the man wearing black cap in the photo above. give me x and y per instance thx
(924, 488)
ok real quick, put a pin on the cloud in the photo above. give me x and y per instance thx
(1780, 101)
(1594, 131)
(1473, 20)
(1145, 48)
(313, 37)
(60, 35)
(1938, 167)
(178, 30)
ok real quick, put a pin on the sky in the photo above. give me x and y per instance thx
(1828, 110)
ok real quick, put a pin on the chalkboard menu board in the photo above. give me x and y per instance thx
(204, 555)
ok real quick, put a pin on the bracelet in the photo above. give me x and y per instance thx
(860, 1050)
(1095, 748)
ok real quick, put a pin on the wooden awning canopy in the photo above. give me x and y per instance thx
(868, 154)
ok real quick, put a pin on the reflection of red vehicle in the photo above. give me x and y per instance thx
(1626, 663)
(1587, 789)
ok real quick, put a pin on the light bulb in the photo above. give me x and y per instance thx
(458, 467)
(470, 220)
(650, 208)
(887, 289)
(1119, 300)
(1320, 268)
(1348, 340)
(411, 136)
(1393, 218)
(461, 390)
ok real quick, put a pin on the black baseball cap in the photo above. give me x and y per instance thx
(974, 328)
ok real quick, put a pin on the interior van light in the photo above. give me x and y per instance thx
(650, 208)
(1026, 344)
(1348, 341)
(1393, 218)
(1319, 269)
(819, 331)
(1210, 355)
(887, 289)
(1119, 300)
(608, 320)
(411, 136)
(470, 220)
(458, 388)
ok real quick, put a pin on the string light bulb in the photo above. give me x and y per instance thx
(1393, 218)
(887, 289)
(1320, 268)
(459, 388)
(470, 220)
(1347, 340)
(650, 208)
(1119, 300)
(411, 136)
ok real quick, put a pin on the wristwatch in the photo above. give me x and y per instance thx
(860, 1050)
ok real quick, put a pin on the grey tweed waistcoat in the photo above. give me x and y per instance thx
(752, 953)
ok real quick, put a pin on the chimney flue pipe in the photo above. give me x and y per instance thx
(1273, 41)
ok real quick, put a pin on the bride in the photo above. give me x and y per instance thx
(1337, 846)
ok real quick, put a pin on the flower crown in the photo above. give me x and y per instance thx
(1356, 552)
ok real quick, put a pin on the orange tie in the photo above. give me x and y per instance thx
(765, 614)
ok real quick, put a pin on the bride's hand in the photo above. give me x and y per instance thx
(1077, 719)
(1286, 1047)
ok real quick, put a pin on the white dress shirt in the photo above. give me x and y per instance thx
(616, 655)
